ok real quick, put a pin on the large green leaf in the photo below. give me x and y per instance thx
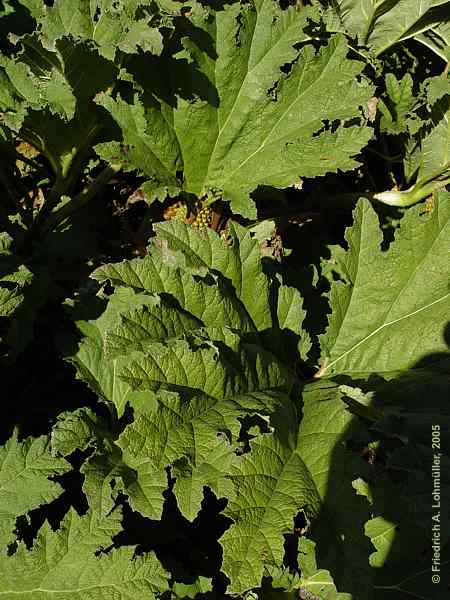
(52, 78)
(75, 560)
(200, 356)
(211, 297)
(180, 253)
(389, 307)
(326, 434)
(379, 24)
(51, 95)
(265, 487)
(197, 437)
(245, 103)
(72, 564)
(388, 328)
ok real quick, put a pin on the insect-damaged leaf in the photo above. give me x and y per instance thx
(248, 101)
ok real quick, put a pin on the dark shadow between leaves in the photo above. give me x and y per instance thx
(17, 22)
(167, 78)
(393, 456)
(42, 385)
(181, 545)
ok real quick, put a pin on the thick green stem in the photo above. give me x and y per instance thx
(412, 196)
(81, 199)
(435, 175)
(66, 176)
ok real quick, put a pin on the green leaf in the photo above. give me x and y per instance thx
(290, 314)
(326, 435)
(198, 307)
(152, 149)
(189, 435)
(76, 559)
(317, 581)
(271, 485)
(223, 297)
(22, 293)
(52, 92)
(399, 481)
(207, 369)
(437, 38)
(389, 307)
(400, 102)
(434, 134)
(257, 100)
(14, 278)
(109, 26)
(240, 265)
(12, 288)
(72, 563)
(201, 585)
(400, 539)
(200, 301)
(93, 322)
(151, 322)
(383, 23)
(406, 418)
(25, 484)
(77, 431)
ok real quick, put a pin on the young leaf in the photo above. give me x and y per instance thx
(400, 102)
(427, 159)
(197, 306)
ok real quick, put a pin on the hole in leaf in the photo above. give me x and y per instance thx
(290, 559)
(251, 427)
(180, 545)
